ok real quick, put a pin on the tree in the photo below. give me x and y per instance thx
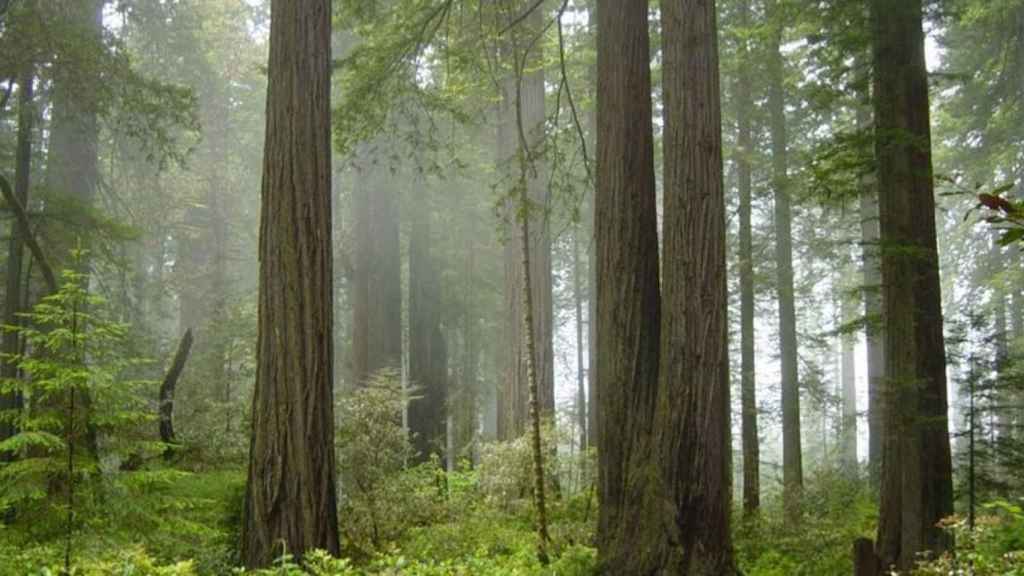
(16, 247)
(792, 459)
(290, 495)
(522, 110)
(916, 476)
(72, 170)
(628, 303)
(848, 380)
(693, 418)
(748, 387)
(377, 288)
(73, 351)
(428, 354)
(874, 336)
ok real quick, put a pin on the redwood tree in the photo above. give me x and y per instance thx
(628, 303)
(692, 426)
(748, 388)
(290, 499)
(792, 455)
(916, 488)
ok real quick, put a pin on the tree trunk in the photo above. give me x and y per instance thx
(693, 420)
(874, 336)
(848, 429)
(792, 459)
(527, 86)
(377, 288)
(290, 501)
(167, 389)
(628, 302)
(916, 476)
(577, 297)
(11, 342)
(428, 366)
(592, 407)
(748, 386)
(72, 170)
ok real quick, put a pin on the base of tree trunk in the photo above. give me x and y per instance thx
(865, 561)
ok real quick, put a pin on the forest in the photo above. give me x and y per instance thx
(512, 287)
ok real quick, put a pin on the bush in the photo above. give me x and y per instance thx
(994, 548)
(836, 511)
(381, 499)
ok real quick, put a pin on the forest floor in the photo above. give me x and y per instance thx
(422, 522)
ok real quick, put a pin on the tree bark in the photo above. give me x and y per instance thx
(748, 385)
(16, 247)
(792, 459)
(693, 420)
(628, 301)
(916, 475)
(290, 501)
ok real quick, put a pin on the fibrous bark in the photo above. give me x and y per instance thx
(628, 320)
(916, 478)
(693, 428)
(290, 501)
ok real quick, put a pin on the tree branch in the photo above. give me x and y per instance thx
(26, 230)
(167, 388)
(519, 19)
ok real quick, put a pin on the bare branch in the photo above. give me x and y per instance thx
(26, 230)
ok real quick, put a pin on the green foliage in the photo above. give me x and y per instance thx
(837, 511)
(994, 547)
(380, 500)
(133, 560)
(82, 409)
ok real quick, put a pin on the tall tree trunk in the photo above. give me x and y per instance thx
(916, 476)
(1002, 398)
(540, 503)
(377, 296)
(577, 297)
(72, 169)
(11, 343)
(470, 415)
(529, 90)
(693, 427)
(848, 437)
(592, 408)
(428, 365)
(872, 278)
(628, 302)
(792, 458)
(748, 386)
(290, 499)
